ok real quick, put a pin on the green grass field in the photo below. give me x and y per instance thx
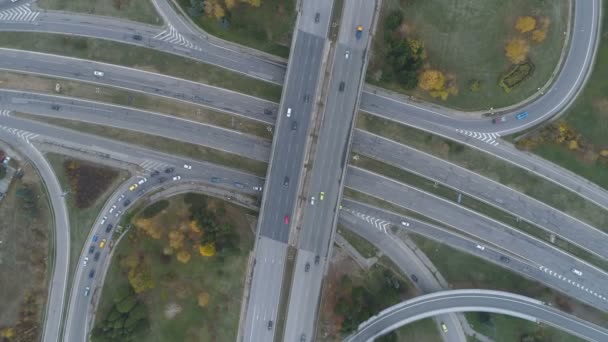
(588, 117)
(267, 28)
(465, 39)
(136, 10)
(366, 249)
(178, 284)
(140, 58)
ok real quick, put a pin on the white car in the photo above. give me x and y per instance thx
(187, 167)
(405, 224)
(481, 247)
(98, 73)
(112, 209)
(177, 178)
(84, 262)
(118, 213)
(312, 200)
(257, 188)
(103, 220)
(577, 272)
(142, 181)
(121, 198)
(289, 112)
(347, 54)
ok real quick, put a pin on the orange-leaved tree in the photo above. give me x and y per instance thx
(525, 24)
(431, 80)
(516, 50)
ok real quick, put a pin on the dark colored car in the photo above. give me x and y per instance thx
(267, 112)
(154, 174)
(286, 181)
(96, 257)
(140, 192)
(162, 179)
(317, 17)
(126, 203)
(414, 278)
(294, 126)
(239, 185)
(215, 179)
(504, 259)
(108, 228)
(137, 37)
(341, 86)
(269, 325)
(169, 170)
(91, 249)
(317, 259)
(55, 107)
(307, 267)
(91, 274)
(306, 98)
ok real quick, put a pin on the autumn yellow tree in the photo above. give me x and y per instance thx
(207, 250)
(149, 227)
(140, 278)
(525, 24)
(516, 50)
(431, 80)
(7, 333)
(540, 33)
(176, 239)
(203, 299)
(183, 256)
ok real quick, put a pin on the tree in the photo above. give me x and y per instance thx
(539, 36)
(203, 299)
(140, 278)
(431, 80)
(176, 239)
(127, 304)
(516, 50)
(7, 333)
(183, 256)
(525, 24)
(207, 250)
(393, 20)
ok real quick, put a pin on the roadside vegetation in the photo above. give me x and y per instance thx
(160, 144)
(490, 167)
(578, 141)
(140, 58)
(25, 256)
(266, 25)
(503, 328)
(178, 273)
(423, 330)
(470, 55)
(366, 249)
(136, 10)
(352, 295)
(87, 186)
(464, 271)
(158, 104)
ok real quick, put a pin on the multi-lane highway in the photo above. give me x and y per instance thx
(475, 300)
(329, 157)
(285, 169)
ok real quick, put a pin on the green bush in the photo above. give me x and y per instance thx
(154, 208)
(517, 74)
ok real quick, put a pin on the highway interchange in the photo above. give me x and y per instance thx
(301, 91)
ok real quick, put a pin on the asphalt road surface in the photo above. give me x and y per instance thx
(483, 189)
(408, 262)
(471, 301)
(329, 161)
(590, 287)
(286, 162)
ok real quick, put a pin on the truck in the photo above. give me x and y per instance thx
(359, 32)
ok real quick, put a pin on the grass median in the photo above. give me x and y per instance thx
(160, 144)
(140, 58)
(366, 249)
(83, 90)
(476, 205)
(136, 10)
(484, 164)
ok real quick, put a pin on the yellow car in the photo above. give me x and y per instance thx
(133, 187)
(321, 196)
(102, 243)
(444, 327)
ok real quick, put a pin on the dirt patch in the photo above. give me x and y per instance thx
(172, 310)
(88, 181)
(601, 105)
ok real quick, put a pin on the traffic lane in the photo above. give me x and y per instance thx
(470, 301)
(357, 13)
(139, 81)
(167, 126)
(594, 279)
(309, 22)
(489, 191)
(330, 156)
(410, 265)
(289, 147)
(264, 295)
(107, 148)
(302, 307)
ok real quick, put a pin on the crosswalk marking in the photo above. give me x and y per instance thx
(21, 13)
(153, 165)
(489, 138)
(172, 36)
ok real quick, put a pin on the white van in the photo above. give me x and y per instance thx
(289, 112)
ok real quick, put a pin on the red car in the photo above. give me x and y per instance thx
(286, 219)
